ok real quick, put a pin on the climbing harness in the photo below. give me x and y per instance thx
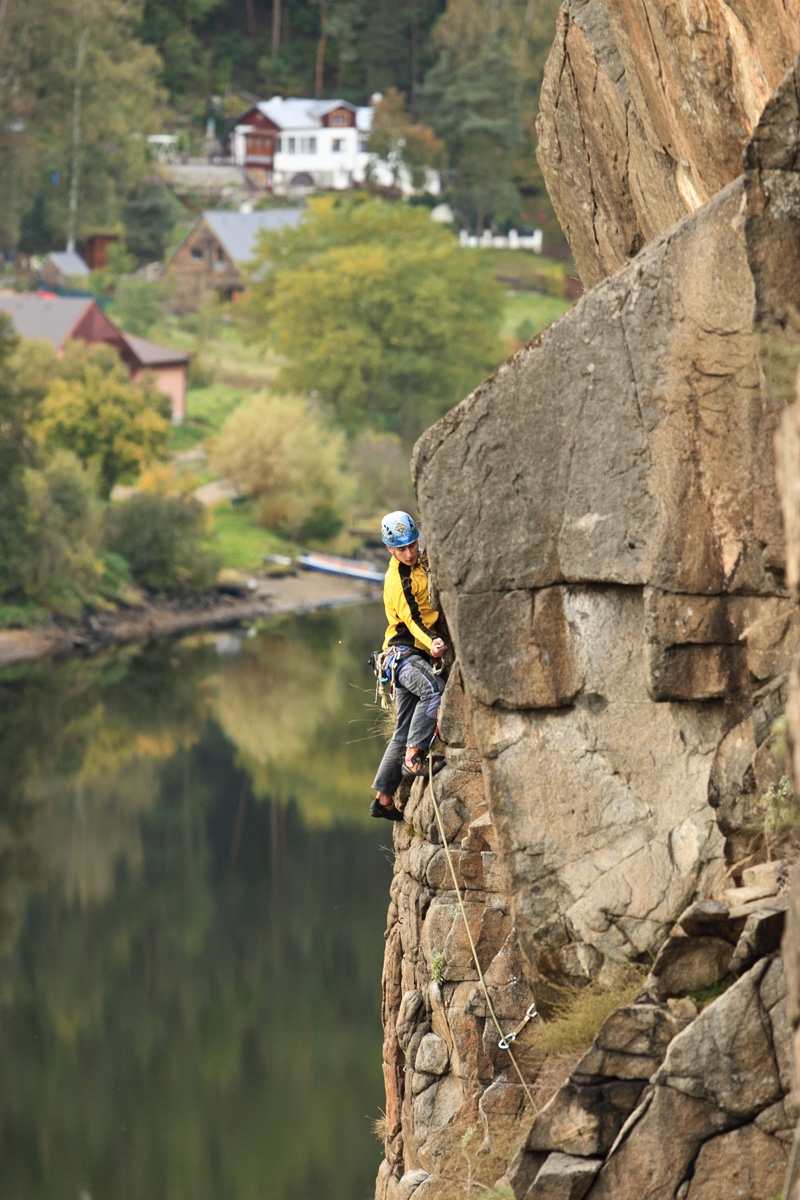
(505, 1039)
(384, 664)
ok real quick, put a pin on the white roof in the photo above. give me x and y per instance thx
(68, 262)
(298, 112)
(238, 231)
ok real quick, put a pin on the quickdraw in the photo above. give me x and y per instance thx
(508, 1038)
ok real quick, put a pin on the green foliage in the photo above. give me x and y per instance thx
(114, 426)
(381, 472)
(528, 314)
(402, 143)
(707, 995)
(778, 806)
(437, 969)
(150, 213)
(239, 542)
(279, 452)
(61, 569)
(164, 541)
(70, 66)
(25, 374)
(104, 281)
(138, 306)
(473, 106)
(21, 616)
(380, 312)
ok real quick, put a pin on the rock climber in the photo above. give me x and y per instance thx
(418, 690)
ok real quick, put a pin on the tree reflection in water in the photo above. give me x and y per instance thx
(190, 983)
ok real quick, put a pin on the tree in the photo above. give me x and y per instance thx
(21, 392)
(149, 214)
(62, 525)
(163, 539)
(378, 310)
(81, 92)
(280, 452)
(409, 149)
(474, 107)
(114, 426)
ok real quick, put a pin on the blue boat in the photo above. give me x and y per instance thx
(334, 565)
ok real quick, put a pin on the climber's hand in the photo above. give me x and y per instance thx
(438, 648)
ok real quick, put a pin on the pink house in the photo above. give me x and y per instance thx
(57, 319)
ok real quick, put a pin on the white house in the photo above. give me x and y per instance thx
(302, 144)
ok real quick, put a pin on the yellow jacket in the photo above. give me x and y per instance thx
(408, 608)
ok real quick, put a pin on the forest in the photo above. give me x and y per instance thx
(84, 82)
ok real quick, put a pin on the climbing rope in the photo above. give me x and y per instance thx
(505, 1039)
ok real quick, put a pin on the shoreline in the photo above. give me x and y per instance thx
(301, 593)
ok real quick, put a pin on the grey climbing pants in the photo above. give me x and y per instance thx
(418, 693)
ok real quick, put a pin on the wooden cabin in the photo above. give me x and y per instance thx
(211, 258)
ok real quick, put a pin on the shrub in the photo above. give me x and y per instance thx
(113, 425)
(280, 452)
(164, 540)
(138, 305)
(579, 1018)
(62, 525)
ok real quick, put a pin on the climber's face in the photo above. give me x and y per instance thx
(407, 555)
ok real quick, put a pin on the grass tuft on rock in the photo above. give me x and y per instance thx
(579, 1018)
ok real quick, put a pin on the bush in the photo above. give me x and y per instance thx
(138, 305)
(62, 525)
(280, 452)
(578, 1020)
(113, 425)
(164, 540)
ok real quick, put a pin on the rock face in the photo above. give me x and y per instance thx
(711, 1102)
(604, 528)
(646, 108)
(618, 605)
(454, 1103)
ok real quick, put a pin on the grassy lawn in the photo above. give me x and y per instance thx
(207, 409)
(524, 269)
(233, 360)
(536, 311)
(241, 543)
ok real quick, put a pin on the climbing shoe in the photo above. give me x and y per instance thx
(419, 766)
(376, 809)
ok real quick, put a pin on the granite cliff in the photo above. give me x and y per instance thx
(604, 527)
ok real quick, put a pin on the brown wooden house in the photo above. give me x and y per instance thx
(210, 259)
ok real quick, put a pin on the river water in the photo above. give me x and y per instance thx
(192, 906)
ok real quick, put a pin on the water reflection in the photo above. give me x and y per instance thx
(191, 921)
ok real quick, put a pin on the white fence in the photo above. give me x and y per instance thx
(514, 240)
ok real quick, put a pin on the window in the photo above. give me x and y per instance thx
(290, 146)
(363, 145)
(197, 253)
(336, 145)
(279, 145)
(220, 254)
(308, 145)
(338, 119)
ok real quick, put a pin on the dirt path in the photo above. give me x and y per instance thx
(301, 593)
